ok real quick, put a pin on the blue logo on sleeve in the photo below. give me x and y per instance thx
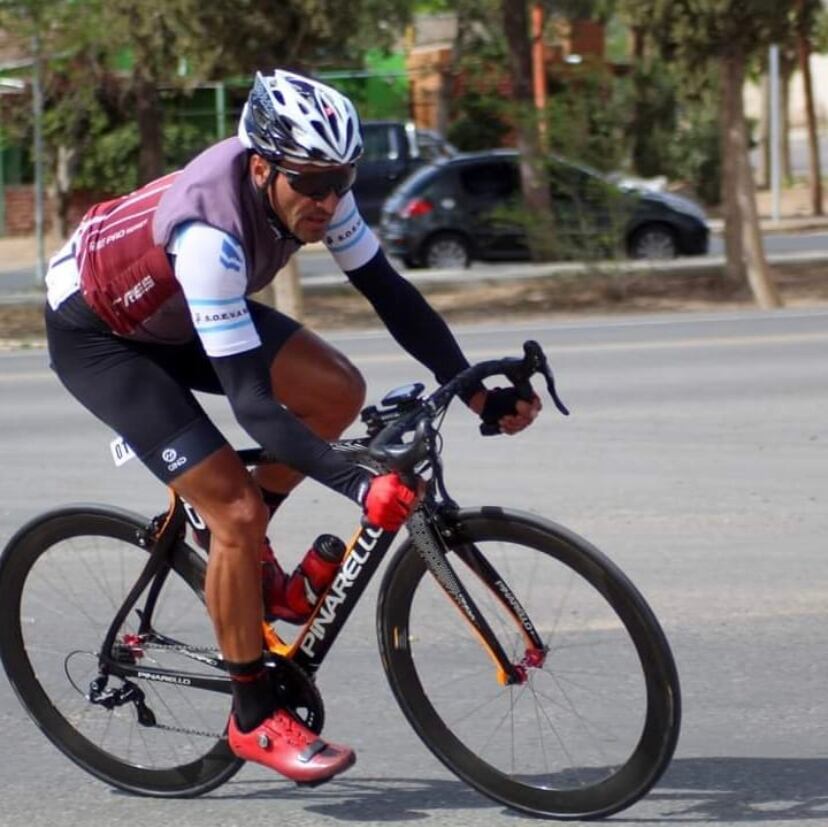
(230, 256)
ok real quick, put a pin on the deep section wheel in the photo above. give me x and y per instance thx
(595, 719)
(62, 578)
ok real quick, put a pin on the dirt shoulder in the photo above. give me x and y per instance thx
(550, 298)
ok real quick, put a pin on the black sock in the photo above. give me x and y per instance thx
(252, 698)
(272, 500)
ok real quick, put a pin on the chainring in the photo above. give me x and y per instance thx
(295, 690)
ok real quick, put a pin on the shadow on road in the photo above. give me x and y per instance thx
(722, 790)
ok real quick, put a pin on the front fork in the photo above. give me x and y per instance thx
(429, 532)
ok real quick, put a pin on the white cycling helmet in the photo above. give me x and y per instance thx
(291, 117)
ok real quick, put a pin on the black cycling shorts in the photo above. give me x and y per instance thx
(144, 392)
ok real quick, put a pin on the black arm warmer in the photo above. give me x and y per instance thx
(246, 381)
(409, 317)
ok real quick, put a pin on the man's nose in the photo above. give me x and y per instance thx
(329, 202)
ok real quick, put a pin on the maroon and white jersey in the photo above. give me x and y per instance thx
(182, 253)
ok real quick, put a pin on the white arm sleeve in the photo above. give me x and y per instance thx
(351, 241)
(210, 266)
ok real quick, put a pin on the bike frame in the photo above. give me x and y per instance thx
(431, 524)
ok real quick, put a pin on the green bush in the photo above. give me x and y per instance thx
(479, 123)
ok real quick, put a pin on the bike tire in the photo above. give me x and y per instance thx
(31, 566)
(597, 628)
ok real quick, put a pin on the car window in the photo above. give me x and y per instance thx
(418, 180)
(490, 181)
(380, 143)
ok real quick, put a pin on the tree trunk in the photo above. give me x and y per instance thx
(759, 276)
(785, 72)
(149, 117)
(64, 172)
(814, 170)
(735, 272)
(288, 290)
(533, 171)
(763, 148)
(284, 291)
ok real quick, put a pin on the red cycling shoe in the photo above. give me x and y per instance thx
(283, 744)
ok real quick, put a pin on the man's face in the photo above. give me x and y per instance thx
(306, 216)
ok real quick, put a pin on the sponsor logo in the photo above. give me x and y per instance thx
(99, 245)
(138, 290)
(151, 676)
(346, 577)
(336, 239)
(170, 456)
(201, 318)
(196, 520)
(513, 602)
(230, 256)
(116, 236)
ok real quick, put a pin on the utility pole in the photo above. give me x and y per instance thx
(37, 104)
(775, 161)
(539, 69)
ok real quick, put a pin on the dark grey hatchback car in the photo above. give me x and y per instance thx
(455, 210)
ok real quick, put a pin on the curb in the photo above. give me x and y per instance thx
(697, 265)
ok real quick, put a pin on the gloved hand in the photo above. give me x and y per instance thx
(388, 502)
(504, 410)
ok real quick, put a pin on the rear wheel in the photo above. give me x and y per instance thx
(62, 578)
(446, 251)
(595, 722)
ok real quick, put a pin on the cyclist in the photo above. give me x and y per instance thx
(148, 301)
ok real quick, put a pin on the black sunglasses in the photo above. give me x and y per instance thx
(318, 185)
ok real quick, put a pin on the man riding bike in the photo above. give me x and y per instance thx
(147, 302)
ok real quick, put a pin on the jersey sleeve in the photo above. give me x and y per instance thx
(210, 266)
(350, 240)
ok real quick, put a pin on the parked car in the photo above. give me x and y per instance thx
(468, 207)
(393, 150)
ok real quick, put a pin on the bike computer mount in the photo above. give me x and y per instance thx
(397, 401)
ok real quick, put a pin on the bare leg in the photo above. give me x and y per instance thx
(320, 387)
(223, 493)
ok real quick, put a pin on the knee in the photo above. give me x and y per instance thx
(241, 522)
(353, 391)
(345, 393)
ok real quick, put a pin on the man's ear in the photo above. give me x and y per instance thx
(259, 170)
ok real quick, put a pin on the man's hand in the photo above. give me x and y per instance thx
(503, 406)
(389, 502)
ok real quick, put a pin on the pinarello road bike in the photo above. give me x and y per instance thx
(522, 656)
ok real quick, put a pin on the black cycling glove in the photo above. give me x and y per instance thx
(499, 402)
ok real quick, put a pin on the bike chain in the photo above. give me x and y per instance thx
(213, 651)
(221, 736)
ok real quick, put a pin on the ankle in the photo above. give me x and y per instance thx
(252, 698)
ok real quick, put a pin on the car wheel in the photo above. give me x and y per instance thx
(446, 251)
(654, 241)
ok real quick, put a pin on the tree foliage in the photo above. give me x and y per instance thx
(110, 64)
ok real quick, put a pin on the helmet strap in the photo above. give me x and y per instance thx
(276, 223)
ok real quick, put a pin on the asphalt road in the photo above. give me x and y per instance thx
(696, 456)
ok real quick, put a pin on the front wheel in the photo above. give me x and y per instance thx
(593, 725)
(655, 242)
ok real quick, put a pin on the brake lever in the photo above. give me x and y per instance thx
(537, 361)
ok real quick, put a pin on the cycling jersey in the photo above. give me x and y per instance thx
(122, 247)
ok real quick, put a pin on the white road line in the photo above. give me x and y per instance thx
(476, 354)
